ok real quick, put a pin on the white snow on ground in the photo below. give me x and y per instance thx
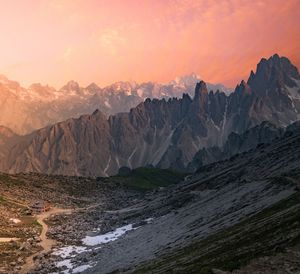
(149, 220)
(69, 251)
(294, 91)
(81, 268)
(130, 157)
(107, 166)
(16, 221)
(111, 236)
(71, 268)
(107, 237)
(107, 104)
(66, 263)
(293, 105)
(224, 118)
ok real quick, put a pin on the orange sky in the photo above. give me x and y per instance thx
(109, 40)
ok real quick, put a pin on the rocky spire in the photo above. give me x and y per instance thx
(200, 89)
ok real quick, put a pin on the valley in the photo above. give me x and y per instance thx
(150, 137)
(206, 184)
(194, 224)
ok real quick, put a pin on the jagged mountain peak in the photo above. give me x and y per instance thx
(243, 88)
(275, 72)
(123, 86)
(71, 86)
(39, 87)
(165, 132)
(93, 87)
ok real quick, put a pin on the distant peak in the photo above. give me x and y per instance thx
(93, 86)
(71, 85)
(3, 77)
(186, 80)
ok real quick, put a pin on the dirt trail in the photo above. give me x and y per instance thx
(45, 243)
(6, 240)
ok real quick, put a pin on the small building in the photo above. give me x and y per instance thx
(39, 207)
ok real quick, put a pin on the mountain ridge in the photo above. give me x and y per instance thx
(42, 105)
(162, 133)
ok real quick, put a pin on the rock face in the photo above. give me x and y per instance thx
(162, 133)
(7, 139)
(265, 133)
(25, 110)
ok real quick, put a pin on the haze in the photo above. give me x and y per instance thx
(105, 41)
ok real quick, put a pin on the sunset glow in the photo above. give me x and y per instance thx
(105, 41)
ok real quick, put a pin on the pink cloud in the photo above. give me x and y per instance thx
(106, 41)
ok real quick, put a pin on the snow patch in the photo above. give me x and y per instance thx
(107, 166)
(140, 92)
(107, 104)
(107, 237)
(69, 251)
(14, 220)
(294, 91)
(111, 236)
(71, 268)
(81, 268)
(130, 158)
(66, 263)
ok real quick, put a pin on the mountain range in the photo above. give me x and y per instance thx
(25, 110)
(165, 133)
(260, 135)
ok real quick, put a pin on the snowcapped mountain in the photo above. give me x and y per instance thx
(191, 80)
(24, 110)
(159, 132)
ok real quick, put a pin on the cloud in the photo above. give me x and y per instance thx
(111, 40)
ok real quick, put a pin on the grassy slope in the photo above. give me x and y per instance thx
(148, 178)
(265, 233)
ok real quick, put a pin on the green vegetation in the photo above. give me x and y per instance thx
(148, 178)
(265, 233)
(35, 223)
(9, 180)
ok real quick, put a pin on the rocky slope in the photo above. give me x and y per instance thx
(25, 110)
(7, 140)
(240, 215)
(162, 133)
(222, 217)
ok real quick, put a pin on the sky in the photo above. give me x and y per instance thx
(104, 41)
